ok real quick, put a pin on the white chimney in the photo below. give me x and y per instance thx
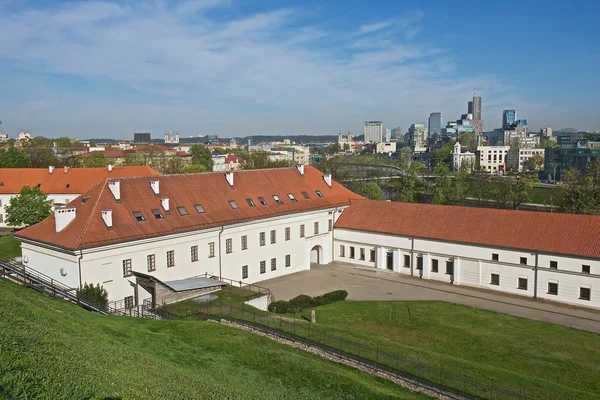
(115, 188)
(110, 167)
(155, 185)
(301, 169)
(229, 177)
(63, 217)
(107, 218)
(66, 169)
(327, 178)
(50, 169)
(165, 203)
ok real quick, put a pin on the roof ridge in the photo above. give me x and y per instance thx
(203, 173)
(87, 224)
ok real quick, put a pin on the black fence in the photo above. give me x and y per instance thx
(241, 284)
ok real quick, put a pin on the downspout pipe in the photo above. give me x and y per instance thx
(79, 264)
(412, 250)
(535, 277)
(220, 233)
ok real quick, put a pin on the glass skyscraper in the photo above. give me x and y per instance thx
(435, 123)
(509, 117)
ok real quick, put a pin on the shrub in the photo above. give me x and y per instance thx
(336, 295)
(318, 301)
(94, 295)
(280, 307)
(301, 302)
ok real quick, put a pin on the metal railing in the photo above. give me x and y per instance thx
(241, 284)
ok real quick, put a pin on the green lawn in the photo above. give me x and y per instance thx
(548, 361)
(53, 350)
(9, 247)
(227, 295)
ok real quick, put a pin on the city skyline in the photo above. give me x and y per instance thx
(108, 69)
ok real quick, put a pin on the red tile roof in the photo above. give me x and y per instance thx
(211, 190)
(568, 234)
(75, 181)
(232, 158)
(106, 153)
(152, 147)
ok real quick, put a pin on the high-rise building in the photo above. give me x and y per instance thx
(141, 137)
(435, 122)
(470, 108)
(546, 132)
(374, 131)
(388, 135)
(396, 133)
(476, 107)
(508, 118)
(417, 137)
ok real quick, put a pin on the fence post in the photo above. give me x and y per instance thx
(230, 309)
(324, 338)
(465, 383)
(309, 331)
(220, 307)
(254, 318)
(397, 358)
(341, 342)
(242, 310)
(279, 323)
(294, 326)
(418, 365)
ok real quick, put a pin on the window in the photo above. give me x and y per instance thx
(495, 279)
(273, 237)
(306, 196)
(262, 201)
(263, 267)
(233, 204)
(362, 254)
(245, 272)
(302, 230)
(495, 257)
(318, 192)
(434, 265)
(316, 228)
(1, 218)
(244, 242)
(553, 264)
(171, 258)
(342, 250)
(585, 293)
(250, 202)
(406, 261)
(585, 269)
(182, 211)
(157, 214)
(199, 208)
(553, 288)
(330, 225)
(261, 238)
(138, 216)
(449, 267)
(273, 264)
(151, 261)
(129, 302)
(522, 284)
(523, 261)
(372, 259)
(211, 249)
(292, 197)
(277, 199)
(228, 246)
(420, 263)
(194, 253)
(127, 267)
(288, 260)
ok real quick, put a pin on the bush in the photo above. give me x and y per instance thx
(280, 307)
(336, 295)
(94, 295)
(318, 301)
(301, 302)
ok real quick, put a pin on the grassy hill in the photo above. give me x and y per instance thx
(53, 350)
(9, 247)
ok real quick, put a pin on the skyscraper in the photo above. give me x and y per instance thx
(388, 135)
(397, 133)
(470, 108)
(374, 131)
(476, 107)
(435, 122)
(508, 118)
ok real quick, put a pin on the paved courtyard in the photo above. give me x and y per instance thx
(369, 284)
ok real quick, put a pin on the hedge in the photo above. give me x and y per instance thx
(299, 303)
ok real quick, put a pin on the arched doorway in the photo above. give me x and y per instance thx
(316, 255)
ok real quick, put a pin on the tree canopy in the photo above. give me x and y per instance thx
(13, 158)
(202, 155)
(29, 207)
(372, 191)
(580, 193)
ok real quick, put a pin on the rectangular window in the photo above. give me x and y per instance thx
(585, 269)
(128, 302)
(449, 267)
(419, 263)
(151, 261)
(372, 259)
(171, 258)
(250, 202)
(228, 246)
(330, 225)
(316, 228)
(287, 233)
(434, 265)
(352, 252)
(211, 249)
(262, 201)
(277, 199)
(194, 253)
(495, 257)
(273, 264)
(318, 192)
(342, 250)
(261, 238)
(553, 288)
(362, 254)
(157, 214)
(245, 272)
(306, 196)
(522, 284)
(288, 260)
(292, 197)
(406, 261)
(553, 264)
(182, 211)
(127, 267)
(302, 230)
(138, 216)
(233, 204)
(244, 242)
(523, 261)
(1, 218)
(199, 208)
(495, 279)
(585, 293)
(263, 267)
(273, 237)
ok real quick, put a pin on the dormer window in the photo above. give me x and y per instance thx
(262, 201)
(199, 208)
(306, 196)
(68, 185)
(318, 192)
(292, 197)
(157, 214)
(138, 216)
(233, 204)
(250, 202)
(182, 211)
(38, 185)
(277, 199)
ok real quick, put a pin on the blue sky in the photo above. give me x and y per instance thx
(227, 67)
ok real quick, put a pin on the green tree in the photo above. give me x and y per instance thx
(468, 139)
(40, 156)
(94, 295)
(372, 191)
(500, 191)
(536, 162)
(580, 193)
(346, 147)
(442, 186)
(443, 153)
(482, 188)
(29, 207)
(405, 158)
(409, 185)
(13, 158)
(202, 155)
(521, 189)
(193, 168)
(94, 160)
(461, 186)
(547, 143)
(62, 142)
